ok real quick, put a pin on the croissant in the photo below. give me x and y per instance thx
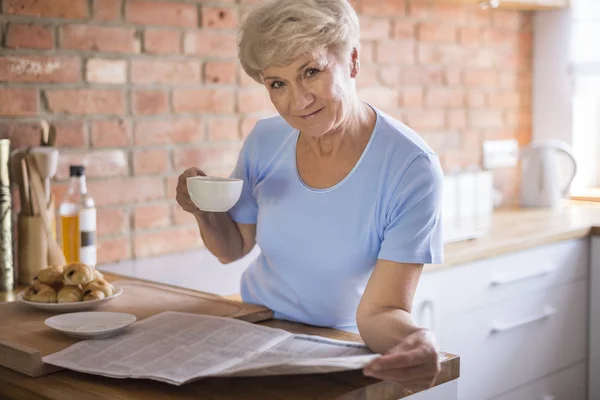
(77, 274)
(40, 293)
(93, 295)
(70, 294)
(51, 275)
(100, 284)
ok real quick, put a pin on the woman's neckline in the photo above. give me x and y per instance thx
(352, 171)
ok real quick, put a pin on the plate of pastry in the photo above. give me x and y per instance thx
(74, 287)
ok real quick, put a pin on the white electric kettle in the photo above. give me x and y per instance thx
(540, 176)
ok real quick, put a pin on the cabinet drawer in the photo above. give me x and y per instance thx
(569, 384)
(518, 341)
(486, 282)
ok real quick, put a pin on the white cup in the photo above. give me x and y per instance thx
(214, 194)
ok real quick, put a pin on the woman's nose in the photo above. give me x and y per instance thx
(301, 98)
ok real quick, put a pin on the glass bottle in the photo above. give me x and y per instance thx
(78, 220)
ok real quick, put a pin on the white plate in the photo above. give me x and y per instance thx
(91, 324)
(70, 307)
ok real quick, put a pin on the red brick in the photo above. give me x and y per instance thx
(98, 38)
(112, 250)
(66, 9)
(457, 119)
(375, 28)
(394, 52)
(418, 9)
(219, 18)
(166, 241)
(245, 80)
(203, 100)
(203, 157)
(422, 75)
(452, 76)
(486, 58)
(481, 78)
(172, 182)
(209, 43)
(162, 41)
(18, 102)
(39, 69)
(448, 12)
(99, 70)
(411, 97)
(147, 162)
(478, 17)
(151, 216)
(220, 72)
(253, 100)
(470, 36)
(436, 33)
(150, 102)
(425, 120)
(247, 124)
(508, 19)
(161, 13)
(167, 131)
(31, 36)
(110, 133)
(475, 99)
(444, 98)
(485, 119)
(442, 54)
(111, 221)
(381, 8)
(384, 98)
(367, 52)
(85, 101)
(164, 72)
(403, 29)
(500, 37)
(505, 100)
(180, 217)
(389, 75)
(99, 163)
(70, 134)
(223, 129)
(126, 190)
(21, 134)
(106, 10)
(368, 76)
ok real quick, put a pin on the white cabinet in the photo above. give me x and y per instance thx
(513, 319)
(594, 355)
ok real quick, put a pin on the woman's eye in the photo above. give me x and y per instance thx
(311, 72)
(276, 85)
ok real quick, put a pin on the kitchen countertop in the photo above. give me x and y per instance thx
(350, 385)
(511, 229)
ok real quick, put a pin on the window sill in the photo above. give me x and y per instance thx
(592, 194)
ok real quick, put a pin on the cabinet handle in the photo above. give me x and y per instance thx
(499, 327)
(499, 280)
(428, 304)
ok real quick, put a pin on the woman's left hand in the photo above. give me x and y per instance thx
(413, 362)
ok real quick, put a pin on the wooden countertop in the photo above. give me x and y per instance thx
(514, 229)
(350, 385)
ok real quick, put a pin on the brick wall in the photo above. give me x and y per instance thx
(140, 90)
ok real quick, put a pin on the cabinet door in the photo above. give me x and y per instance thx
(594, 356)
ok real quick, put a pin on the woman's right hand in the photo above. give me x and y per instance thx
(183, 196)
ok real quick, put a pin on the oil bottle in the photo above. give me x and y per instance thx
(78, 220)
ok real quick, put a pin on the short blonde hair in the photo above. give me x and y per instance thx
(276, 32)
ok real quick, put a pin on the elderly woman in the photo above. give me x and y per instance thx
(342, 199)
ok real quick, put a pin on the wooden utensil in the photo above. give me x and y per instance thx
(17, 176)
(52, 136)
(46, 159)
(44, 133)
(26, 187)
(55, 253)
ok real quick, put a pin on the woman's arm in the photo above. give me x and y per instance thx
(383, 315)
(223, 237)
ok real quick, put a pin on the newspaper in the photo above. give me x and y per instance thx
(177, 348)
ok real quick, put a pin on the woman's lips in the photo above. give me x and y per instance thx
(311, 115)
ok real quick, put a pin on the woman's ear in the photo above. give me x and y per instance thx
(355, 64)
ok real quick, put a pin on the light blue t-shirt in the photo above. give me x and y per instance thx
(319, 246)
